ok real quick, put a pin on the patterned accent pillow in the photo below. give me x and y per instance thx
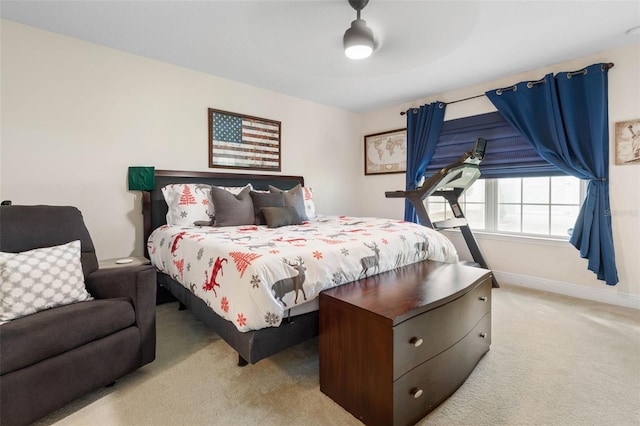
(191, 202)
(188, 203)
(309, 206)
(40, 279)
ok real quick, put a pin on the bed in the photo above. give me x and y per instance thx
(257, 286)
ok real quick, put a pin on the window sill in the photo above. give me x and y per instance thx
(522, 239)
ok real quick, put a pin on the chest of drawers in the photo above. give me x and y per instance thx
(393, 346)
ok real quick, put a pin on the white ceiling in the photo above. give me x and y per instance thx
(295, 47)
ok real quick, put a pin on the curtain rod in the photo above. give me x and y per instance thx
(453, 102)
(608, 66)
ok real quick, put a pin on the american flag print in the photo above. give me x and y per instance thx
(238, 141)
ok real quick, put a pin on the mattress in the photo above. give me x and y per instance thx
(254, 275)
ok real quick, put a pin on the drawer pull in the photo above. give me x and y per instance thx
(417, 393)
(483, 298)
(416, 342)
(483, 335)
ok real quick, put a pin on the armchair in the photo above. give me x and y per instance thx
(52, 357)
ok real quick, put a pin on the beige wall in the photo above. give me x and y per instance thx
(75, 115)
(558, 264)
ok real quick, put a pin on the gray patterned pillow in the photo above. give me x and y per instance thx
(40, 279)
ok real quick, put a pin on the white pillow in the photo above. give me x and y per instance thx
(191, 202)
(40, 279)
(188, 203)
(309, 206)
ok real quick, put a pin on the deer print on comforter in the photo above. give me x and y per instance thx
(251, 275)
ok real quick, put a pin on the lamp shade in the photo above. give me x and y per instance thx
(142, 178)
(358, 40)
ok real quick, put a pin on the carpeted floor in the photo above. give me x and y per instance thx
(554, 360)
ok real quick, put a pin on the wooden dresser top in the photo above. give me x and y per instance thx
(440, 283)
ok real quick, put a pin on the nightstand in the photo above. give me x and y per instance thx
(112, 263)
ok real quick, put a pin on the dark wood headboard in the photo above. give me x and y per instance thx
(154, 208)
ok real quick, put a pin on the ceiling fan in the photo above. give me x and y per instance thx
(358, 39)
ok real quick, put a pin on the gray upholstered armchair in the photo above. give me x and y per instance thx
(53, 356)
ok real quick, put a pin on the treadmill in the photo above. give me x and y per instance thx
(451, 182)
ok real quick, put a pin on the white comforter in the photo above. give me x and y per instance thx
(251, 275)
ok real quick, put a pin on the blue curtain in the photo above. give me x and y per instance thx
(566, 119)
(423, 130)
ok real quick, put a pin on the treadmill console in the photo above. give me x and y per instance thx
(479, 148)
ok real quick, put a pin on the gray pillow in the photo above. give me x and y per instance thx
(293, 198)
(265, 199)
(232, 210)
(281, 216)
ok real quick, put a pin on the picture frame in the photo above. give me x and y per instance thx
(627, 142)
(385, 152)
(239, 141)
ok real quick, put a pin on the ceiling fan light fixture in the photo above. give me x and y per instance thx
(358, 40)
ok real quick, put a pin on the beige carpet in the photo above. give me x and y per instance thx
(554, 360)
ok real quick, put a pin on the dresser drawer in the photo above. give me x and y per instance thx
(421, 390)
(367, 364)
(426, 335)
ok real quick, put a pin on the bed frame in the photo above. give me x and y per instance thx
(252, 346)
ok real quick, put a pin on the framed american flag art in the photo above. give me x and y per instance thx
(240, 141)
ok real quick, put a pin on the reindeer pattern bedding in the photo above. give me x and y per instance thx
(251, 275)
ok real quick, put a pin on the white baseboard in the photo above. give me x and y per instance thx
(569, 289)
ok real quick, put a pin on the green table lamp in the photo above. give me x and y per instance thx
(142, 178)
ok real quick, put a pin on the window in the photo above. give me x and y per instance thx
(537, 206)
(520, 193)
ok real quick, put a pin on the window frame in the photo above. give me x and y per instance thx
(491, 208)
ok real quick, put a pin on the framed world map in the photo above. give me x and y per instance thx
(385, 152)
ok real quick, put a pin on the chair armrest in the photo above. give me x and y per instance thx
(139, 284)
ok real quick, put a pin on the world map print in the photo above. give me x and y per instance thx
(386, 153)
